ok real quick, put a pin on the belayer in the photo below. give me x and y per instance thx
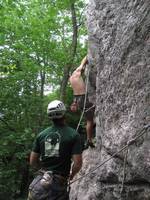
(57, 155)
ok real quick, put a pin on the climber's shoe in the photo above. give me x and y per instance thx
(89, 144)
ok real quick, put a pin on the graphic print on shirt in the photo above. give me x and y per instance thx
(52, 144)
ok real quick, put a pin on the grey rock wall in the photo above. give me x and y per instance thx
(119, 84)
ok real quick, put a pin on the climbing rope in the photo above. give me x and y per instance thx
(130, 142)
(87, 81)
(124, 168)
(89, 108)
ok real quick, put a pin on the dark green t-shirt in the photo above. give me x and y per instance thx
(56, 145)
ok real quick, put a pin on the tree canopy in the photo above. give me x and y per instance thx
(41, 42)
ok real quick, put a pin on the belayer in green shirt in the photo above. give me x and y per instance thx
(57, 152)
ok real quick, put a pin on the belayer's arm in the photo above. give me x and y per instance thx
(77, 164)
(35, 160)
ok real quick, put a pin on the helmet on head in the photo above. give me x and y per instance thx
(56, 109)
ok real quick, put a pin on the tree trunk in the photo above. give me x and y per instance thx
(68, 67)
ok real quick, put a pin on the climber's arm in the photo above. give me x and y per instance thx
(82, 65)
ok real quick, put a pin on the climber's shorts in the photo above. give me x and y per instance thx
(57, 189)
(89, 107)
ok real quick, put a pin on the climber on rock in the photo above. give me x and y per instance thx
(79, 90)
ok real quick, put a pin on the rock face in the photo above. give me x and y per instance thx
(119, 84)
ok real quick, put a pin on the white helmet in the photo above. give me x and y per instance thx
(56, 109)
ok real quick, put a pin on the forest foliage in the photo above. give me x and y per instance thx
(41, 42)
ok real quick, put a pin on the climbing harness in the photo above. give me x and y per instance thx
(130, 142)
(39, 187)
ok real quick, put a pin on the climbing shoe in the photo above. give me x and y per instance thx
(89, 144)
